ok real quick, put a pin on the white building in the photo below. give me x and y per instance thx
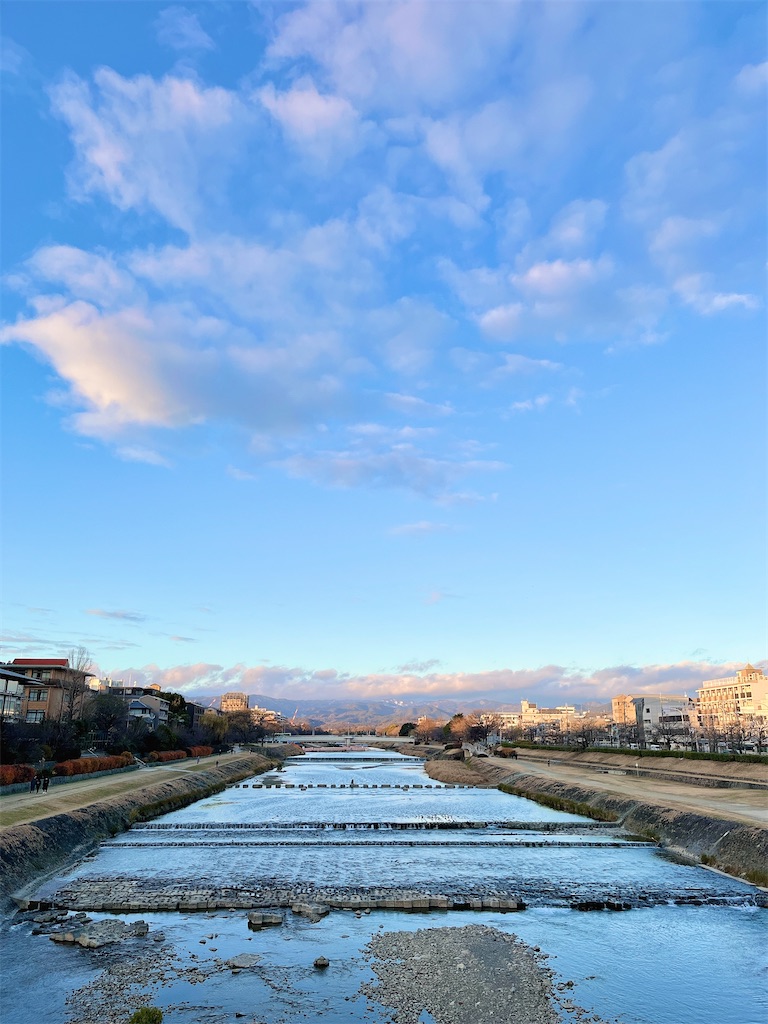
(734, 700)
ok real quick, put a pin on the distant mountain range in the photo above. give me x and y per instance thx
(381, 712)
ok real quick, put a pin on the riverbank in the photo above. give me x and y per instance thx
(33, 850)
(736, 845)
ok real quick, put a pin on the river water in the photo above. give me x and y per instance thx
(692, 950)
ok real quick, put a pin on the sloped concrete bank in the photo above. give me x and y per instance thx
(730, 846)
(713, 774)
(30, 852)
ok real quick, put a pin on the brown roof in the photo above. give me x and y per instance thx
(33, 662)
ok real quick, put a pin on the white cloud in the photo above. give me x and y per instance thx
(93, 276)
(402, 467)
(695, 290)
(752, 79)
(577, 224)
(502, 322)
(557, 278)
(239, 474)
(412, 405)
(13, 57)
(135, 453)
(399, 55)
(518, 364)
(532, 404)
(181, 30)
(150, 145)
(324, 126)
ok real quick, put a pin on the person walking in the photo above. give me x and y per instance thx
(37, 785)
(32, 784)
(46, 780)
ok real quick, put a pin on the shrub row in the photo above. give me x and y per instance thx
(167, 755)
(87, 765)
(10, 773)
(199, 751)
(690, 755)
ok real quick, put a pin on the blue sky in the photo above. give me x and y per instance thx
(386, 348)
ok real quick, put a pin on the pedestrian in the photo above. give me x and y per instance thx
(547, 762)
(37, 785)
(217, 764)
(32, 784)
(46, 780)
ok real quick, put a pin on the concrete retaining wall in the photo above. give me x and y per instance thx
(731, 846)
(30, 852)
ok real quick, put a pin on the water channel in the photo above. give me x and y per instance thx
(692, 949)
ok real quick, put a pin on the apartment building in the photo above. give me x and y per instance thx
(52, 689)
(234, 701)
(734, 700)
(11, 694)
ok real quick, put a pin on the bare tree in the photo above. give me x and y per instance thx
(429, 729)
(73, 683)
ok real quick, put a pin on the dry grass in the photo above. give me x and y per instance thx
(23, 808)
(457, 773)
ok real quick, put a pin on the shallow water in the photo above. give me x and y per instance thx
(663, 964)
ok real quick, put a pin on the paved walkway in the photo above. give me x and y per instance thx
(747, 805)
(21, 808)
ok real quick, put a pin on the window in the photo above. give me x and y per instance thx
(38, 695)
(35, 716)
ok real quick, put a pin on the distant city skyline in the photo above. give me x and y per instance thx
(384, 349)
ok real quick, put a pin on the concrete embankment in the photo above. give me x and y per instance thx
(30, 852)
(693, 772)
(731, 846)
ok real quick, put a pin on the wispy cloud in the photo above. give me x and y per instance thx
(536, 404)
(438, 596)
(181, 30)
(132, 453)
(239, 474)
(124, 616)
(420, 529)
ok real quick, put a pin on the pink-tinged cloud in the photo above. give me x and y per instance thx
(549, 683)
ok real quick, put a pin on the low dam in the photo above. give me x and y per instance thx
(223, 909)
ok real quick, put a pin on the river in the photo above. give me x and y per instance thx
(692, 949)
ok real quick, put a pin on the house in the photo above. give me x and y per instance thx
(53, 689)
(142, 703)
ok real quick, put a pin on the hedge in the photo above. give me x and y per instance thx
(87, 765)
(167, 755)
(11, 773)
(690, 755)
(199, 751)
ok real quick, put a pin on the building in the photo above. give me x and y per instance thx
(234, 701)
(265, 716)
(11, 694)
(664, 719)
(196, 711)
(142, 703)
(740, 700)
(52, 688)
(623, 713)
